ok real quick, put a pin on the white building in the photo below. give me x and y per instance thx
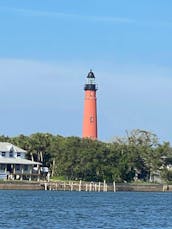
(13, 164)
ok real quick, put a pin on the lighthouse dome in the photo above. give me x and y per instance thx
(90, 74)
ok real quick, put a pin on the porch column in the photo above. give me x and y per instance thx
(5, 170)
(21, 178)
(30, 172)
(38, 178)
(14, 171)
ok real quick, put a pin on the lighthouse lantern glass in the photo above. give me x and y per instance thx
(91, 81)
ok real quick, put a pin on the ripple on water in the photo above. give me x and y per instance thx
(72, 210)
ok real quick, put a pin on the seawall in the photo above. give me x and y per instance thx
(141, 187)
(85, 186)
(21, 186)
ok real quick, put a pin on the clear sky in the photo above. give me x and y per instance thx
(48, 47)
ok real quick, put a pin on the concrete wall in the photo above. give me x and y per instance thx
(140, 187)
(21, 186)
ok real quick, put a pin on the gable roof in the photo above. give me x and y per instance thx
(7, 147)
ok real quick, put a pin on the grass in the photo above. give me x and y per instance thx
(58, 178)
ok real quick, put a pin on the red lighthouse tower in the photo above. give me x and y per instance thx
(90, 108)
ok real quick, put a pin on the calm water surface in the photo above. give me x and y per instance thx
(72, 210)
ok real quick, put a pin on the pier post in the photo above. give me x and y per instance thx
(104, 186)
(99, 188)
(114, 186)
(80, 183)
(64, 186)
(90, 186)
(45, 185)
(71, 186)
(50, 188)
(86, 187)
(95, 187)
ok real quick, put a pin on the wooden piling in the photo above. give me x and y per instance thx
(114, 186)
(71, 186)
(80, 183)
(64, 186)
(95, 187)
(90, 187)
(104, 186)
(86, 187)
(99, 188)
(45, 186)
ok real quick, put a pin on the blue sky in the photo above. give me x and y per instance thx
(48, 47)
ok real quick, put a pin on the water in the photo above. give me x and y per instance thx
(73, 210)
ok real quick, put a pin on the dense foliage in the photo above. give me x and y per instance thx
(134, 157)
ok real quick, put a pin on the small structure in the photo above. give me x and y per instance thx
(14, 165)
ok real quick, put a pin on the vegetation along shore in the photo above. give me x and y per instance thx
(137, 157)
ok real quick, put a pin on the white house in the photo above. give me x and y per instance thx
(13, 164)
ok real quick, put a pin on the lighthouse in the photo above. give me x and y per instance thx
(90, 108)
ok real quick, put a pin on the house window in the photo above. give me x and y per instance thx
(11, 153)
(18, 154)
(3, 154)
(26, 167)
(2, 167)
(17, 167)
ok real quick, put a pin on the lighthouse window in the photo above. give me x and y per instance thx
(91, 119)
(91, 81)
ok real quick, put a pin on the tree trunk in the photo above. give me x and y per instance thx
(41, 156)
(53, 168)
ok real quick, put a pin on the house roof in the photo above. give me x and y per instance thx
(6, 147)
(12, 160)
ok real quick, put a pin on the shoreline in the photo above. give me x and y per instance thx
(85, 186)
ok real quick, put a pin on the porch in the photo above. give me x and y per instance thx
(19, 169)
